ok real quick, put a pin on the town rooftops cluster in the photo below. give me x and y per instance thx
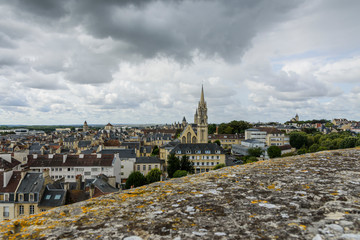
(313, 196)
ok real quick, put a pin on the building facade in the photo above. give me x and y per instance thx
(204, 155)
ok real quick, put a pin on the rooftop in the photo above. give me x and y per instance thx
(312, 196)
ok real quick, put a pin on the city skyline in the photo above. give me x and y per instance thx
(64, 62)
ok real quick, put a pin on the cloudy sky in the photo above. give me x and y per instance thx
(63, 62)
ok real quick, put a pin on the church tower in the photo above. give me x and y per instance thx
(85, 127)
(201, 119)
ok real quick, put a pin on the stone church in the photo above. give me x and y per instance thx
(198, 131)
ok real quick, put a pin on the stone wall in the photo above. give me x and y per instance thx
(313, 196)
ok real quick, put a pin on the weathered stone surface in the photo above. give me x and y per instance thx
(314, 196)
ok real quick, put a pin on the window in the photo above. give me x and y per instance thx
(87, 173)
(198, 151)
(178, 152)
(43, 210)
(69, 169)
(122, 166)
(21, 197)
(31, 197)
(56, 169)
(47, 197)
(21, 210)
(156, 166)
(188, 151)
(149, 167)
(94, 169)
(6, 197)
(138, 167)
(57, 197)
(122, 173)
(31, 209)
(60, 169)
(6, 212)
(144, 167)
(207, 152)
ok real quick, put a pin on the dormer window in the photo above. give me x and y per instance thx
(207, 151)
(218, 151)
(21, 197)
(31, 197)
(6, 197)
(198, 151)
(178, 152)
(188, 151)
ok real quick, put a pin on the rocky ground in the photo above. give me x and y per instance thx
(313, 196)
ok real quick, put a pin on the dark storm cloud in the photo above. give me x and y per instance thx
(177, 28)
(167, 28)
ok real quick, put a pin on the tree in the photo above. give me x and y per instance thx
(178, 132)
(186, 165)
(302, 150)
(218, 166)
(314, 147)
(255, 152)
(217, 142)
(173, 164)
(212, 128)
(135, 179)
(274, 151)
(180, 173)
(154, 175)
(348, 142)
(155, 151)
(298, 139)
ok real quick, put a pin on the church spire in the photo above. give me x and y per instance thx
(202, 98)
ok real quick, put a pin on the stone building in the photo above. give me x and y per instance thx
(197, 132)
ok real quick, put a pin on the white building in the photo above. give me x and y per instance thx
(69, 166)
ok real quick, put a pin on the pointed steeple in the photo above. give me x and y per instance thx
(202, 98)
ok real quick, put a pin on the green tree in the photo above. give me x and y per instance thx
(228, 130)
(178, 132)
(154, 175)
(135, 179)
(314, 147)
(250, 159)
(155, 151)
(357, 142)
(255, 152)
(274, 151)
(218, 166)
(298, 139)
(180, 173)
(212, 128)
(217, 142)
(173, 164)
(302, 150)
(186, 165)
(348, 142)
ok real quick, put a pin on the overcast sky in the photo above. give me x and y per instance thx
(64, 62)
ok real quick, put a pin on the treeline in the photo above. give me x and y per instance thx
(308, 143)
(230, 128)
(312, 121)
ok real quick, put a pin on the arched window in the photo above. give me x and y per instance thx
(194, 139)
(188, 138)
(183, 139)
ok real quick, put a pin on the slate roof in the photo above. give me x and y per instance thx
(140, 160)
(193, 148)
(103, 186)
(13, 183)
(123, 153)
(32, 183)
(84, 143)
(270, 130)
(52, 198)
(226, 136)
(71, 160)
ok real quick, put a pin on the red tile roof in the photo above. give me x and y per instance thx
(71, 160)
(13, 183)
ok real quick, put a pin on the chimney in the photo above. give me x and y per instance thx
(46, 173)
(64, 158)
(66, 186)
(78, 182)
(92, 190)
(217, 130)
(6, 177)
(112, 181)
